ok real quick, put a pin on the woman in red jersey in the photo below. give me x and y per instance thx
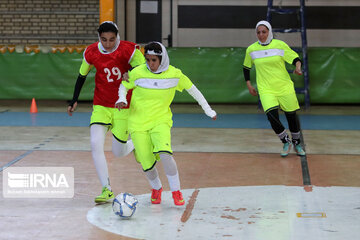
(111, 58)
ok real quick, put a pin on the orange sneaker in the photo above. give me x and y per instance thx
(178, 198)
(156, 196)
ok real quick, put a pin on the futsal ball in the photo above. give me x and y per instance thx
(124, 205)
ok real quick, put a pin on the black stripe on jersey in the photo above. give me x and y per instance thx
(119, 139)
(163, 152)
(100, 123)
(272, 108)
(247, 68)
(150, 167)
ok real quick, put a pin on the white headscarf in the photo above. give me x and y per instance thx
(117, 39)
(165, 62)
(270, 36)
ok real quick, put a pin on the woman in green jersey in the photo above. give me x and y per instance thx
(276, 89)
(150, 119)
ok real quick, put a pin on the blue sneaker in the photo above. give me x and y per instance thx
(299, 151)
(286, 149)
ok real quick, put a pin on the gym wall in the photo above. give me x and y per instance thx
(218, 74)
(48, 21)
(231, 23)
(191, 23)
(42, 41)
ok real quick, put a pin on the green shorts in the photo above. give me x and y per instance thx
(117, 121)
(287, 103)
(149, 144)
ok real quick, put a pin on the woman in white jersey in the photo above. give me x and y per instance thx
(276, 89)
(150, 119)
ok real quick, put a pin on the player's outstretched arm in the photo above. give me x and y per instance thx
(197, 95)
(121, 102)
(73, 103)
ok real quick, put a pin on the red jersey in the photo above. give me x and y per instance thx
(109, 70)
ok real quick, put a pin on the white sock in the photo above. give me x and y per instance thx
(171, 171)
(97, 140)
(122, 149)
(153, 178)
(174, 182)
(108, 187)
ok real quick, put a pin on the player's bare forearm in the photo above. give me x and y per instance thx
(298, 68)
(251, 89)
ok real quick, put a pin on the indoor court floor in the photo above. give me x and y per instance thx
(235, 183)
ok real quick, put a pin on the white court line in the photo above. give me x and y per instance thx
(249, 212)
(15, 160)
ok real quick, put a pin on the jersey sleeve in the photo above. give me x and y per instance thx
(131, 83)
(87, 61)
(184, 82)
(84, 68)
(247, 60)
(137, 58)
(289, 54)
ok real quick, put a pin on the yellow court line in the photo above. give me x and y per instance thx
(311, 215)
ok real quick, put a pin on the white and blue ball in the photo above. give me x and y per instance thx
(124, 205)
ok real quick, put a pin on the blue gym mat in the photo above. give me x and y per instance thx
(311, 122)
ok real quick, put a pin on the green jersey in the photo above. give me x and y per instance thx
(152, 96)
(271, 74)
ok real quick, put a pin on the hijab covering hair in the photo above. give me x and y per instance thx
(164, 65)
(270, 36)
(103, 24)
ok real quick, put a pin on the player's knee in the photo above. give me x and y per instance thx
(96, 145)
(272, 115)
(291, 116)
(169, 164)
(293, 122)
(118, 151)
(121, 149)
(165, 157)
(152, 174)
(97, 137)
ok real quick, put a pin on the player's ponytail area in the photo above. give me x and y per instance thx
(234, 182)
